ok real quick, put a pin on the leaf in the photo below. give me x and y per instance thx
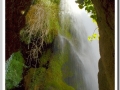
(89, 38)
(80, 6)
(94, 35)
(91, 7)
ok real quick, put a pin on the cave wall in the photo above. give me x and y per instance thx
(105, 20)
(14, 22)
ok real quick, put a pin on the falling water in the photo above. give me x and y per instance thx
(81, 69)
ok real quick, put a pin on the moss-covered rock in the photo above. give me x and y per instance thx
(49, 75)
(14, 69)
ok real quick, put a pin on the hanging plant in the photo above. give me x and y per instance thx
(89, 7)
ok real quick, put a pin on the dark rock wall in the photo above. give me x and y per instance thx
(105, 15)
(14, 21)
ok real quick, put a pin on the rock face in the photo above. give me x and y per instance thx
(15, 21)
(105, 15)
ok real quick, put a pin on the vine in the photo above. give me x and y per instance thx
(94, 36)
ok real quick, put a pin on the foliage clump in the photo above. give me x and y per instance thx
(51, 78)
(42, 25)
(89, 7)
(94, 36)
(14, 70)
(41, 22)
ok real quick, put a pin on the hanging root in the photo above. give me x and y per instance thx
(39, 31)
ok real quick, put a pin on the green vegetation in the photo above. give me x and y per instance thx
(65, 28)
(65, 24)
(42, 26)
(51, 78)
(41, 22)
(94, 36)
(89, 7)
(56, 1)
(14, 70)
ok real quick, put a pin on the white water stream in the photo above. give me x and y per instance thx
(83, 55)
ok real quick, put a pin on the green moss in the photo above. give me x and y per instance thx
(54, 74)
(53, 22)
(48, 26)
(65, 26)
(56, 1)
(24, 37)
(51, 78)
(14, 69)
(45, 57)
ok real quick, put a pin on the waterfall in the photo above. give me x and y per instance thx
(81, 69)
